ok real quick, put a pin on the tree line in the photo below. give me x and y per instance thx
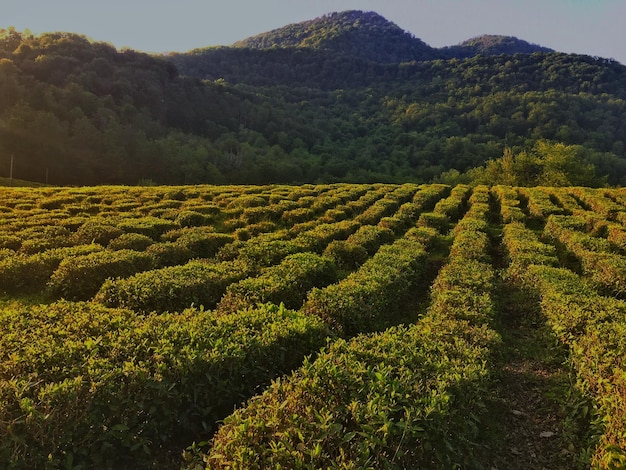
(75, 111)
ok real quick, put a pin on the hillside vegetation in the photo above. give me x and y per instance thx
(314, 326)
(348, 97)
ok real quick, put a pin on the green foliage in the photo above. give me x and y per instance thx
(93, 385)
(173, 288)
(594, 328)
(130, 241)
(22, 273)
(597, 258)
(365, 299)
(80, 277)
(106, 388)
(346, 255)
(96, 231)
(287, 283)
(546, 164)
(353, 101)
(409, 397)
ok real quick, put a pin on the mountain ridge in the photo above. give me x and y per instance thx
(353, 32)
(368, 35)
(74, 111)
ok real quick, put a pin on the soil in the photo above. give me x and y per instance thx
(528, 425)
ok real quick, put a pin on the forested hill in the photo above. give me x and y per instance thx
(347, 97)
(353, 47)
(364, 35)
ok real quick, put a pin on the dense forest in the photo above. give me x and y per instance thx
(348, 97)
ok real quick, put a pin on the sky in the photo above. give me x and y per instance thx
(593, 27)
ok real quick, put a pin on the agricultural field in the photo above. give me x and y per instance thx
(318, 326)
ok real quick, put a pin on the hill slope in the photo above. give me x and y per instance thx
(365, 35)
(490, 44)
(82, 112)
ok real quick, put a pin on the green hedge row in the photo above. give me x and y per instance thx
(524, 248)
(408, 213)
(454, 205)
(567, 200)
(23, 273)
(510, 209)
(594, 327)
(446, 210)
(598, 258)
(287, 283)
(408, 397)
(365, 299)
(83, 386)
(269, 249)
(599, 201)
(540, 205)
(200, 283)
(80, 277)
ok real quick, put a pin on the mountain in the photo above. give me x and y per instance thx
(364, 35)
(489, 44)
(338, 50)
(322, 103)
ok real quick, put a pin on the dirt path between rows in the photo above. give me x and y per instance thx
(528, 424)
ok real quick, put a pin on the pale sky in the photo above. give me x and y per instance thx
(593, 27)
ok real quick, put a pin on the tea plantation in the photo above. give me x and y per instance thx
(318, 326)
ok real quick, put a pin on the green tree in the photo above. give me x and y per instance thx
(546, 164)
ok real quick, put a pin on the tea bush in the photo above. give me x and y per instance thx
(287, 283)
(366, 298)
(173, 288)
(104, 388)
(80, 277)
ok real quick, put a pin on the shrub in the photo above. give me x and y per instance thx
(169, 254)
(439, 222)
(115, 390)
(346, 255)
(192, 219)
(287, 283)
(365, 299)
(371, 237)
(80, 277)
(152, 227)
(130, 241)
(22, 273)
(97, 231)
(203, 242)
(10, 242)
(173, 288)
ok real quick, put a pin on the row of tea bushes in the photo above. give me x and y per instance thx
(31, 273)
(287, 283)
(387, 205)
(510, 203)
(594, 329)
(540, 204)
(365, 300)
(596, 255)
(358, 247)
(83, 386)
(80, 277)
(565, 200)
(598, 202)
(203, 283)
(403, 398)
(446, 210)
(145, 211)
(200, 283)
(523, 249)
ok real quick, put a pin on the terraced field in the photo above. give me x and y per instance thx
(336, 326)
